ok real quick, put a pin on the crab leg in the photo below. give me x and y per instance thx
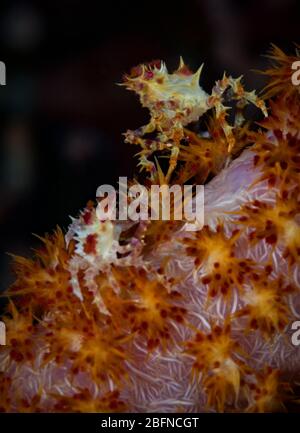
(243, 98)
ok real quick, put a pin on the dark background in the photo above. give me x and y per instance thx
(62, 114)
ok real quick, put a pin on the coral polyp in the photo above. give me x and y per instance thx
(216, 357)
(215, 255)
(150, 316)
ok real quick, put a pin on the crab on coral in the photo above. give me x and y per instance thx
(147, 316)
(174, 101)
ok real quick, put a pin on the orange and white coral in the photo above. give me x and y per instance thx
(127, 316)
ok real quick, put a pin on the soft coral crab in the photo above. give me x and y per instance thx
(174, 101)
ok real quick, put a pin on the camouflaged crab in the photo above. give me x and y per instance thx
(174, 101)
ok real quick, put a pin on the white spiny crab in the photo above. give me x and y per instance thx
(174, 101)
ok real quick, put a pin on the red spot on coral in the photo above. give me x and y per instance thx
(254, 324)
(272, 239)
(272, 181)
(256, 159)
(206, 280)
(90, 244)
(149, 75)
(283, 165)
(87, 217)
(16, 356)
(164, 314)
(268, 269)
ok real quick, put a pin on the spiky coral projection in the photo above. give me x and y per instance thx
(145, 316)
